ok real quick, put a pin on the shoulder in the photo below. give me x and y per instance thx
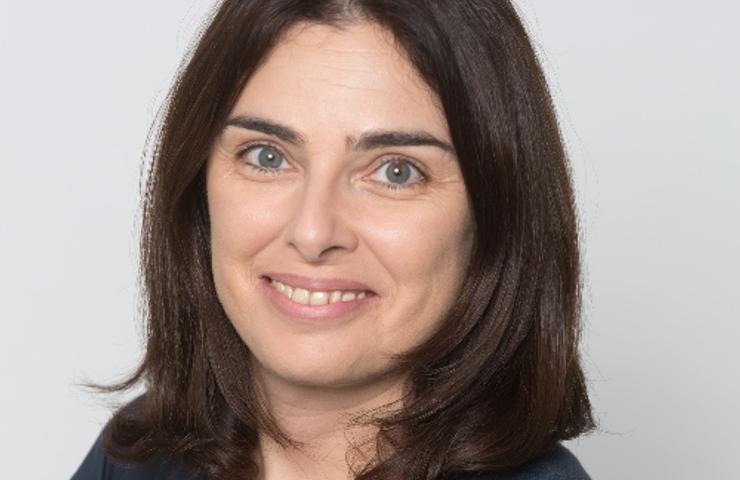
(559, 464)
(98, 466)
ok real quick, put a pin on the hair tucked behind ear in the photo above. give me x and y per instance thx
(500, 383)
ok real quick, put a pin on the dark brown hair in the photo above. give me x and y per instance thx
(500, 383)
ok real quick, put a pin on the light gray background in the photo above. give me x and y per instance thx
(647, 92)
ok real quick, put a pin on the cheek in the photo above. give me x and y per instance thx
(423, 241)
(425, 249)
(243, 221)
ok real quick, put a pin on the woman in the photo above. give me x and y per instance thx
(360, 254)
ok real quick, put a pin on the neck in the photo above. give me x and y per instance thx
(319, 418)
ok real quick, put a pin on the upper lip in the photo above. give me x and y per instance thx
(321, 284)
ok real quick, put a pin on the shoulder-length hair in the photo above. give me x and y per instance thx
(500, 382)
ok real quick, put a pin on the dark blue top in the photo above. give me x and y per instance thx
(560, 464)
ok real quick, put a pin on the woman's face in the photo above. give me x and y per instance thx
(336, 165)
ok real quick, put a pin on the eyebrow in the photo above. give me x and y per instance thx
(367, 141)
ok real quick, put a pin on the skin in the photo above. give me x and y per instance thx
(325, 213)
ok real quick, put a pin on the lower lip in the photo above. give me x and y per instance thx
(329, 313)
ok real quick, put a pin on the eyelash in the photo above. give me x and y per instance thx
(391, 187)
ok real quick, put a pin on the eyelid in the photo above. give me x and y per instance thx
(378, 164)
(383, 162)
(397, 157)
(245, 149)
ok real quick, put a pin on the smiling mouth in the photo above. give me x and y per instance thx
(303, 296)
(317, 307)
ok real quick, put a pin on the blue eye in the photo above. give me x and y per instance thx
(263, 158)
(396, 172)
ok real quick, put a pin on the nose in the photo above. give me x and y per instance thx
(318, 227)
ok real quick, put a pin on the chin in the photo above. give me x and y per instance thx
(307, 371)
(313, 376)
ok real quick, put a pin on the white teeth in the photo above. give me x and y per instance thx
(306, 297)
(300, 295)
(319, 298)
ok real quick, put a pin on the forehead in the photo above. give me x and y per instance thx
(348, 79)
